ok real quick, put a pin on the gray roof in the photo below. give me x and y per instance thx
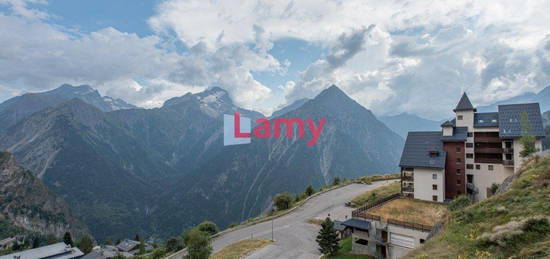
(486, 119)
(509, 120)
(447, 124)
(56, 251)
(127, 245)
(338, 225)
(95, 255)
(418, 146)
(459, 135)
(357, 223)
(464, 104)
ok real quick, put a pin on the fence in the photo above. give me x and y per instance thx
(360, 212)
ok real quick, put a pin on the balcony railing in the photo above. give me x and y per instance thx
(415, 226)
(508, 150)
(488, 150)
(508, 163)
(488, 160)
(407, 189)
(408, 178)
(487, 139)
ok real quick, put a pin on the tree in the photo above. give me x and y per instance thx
(86, 244)
(336, 180)
(174, 244)
(283, 201)
(198, 244)
(309, 190)
(527, 140)
(208, 227)
(137, 238)
(68, 239)
(328, 238)
(141, 247)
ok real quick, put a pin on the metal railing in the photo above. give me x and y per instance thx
(407, 189)
(488, 150)
(361, 212)
(408, 178)
(415, 226)
(508, 150)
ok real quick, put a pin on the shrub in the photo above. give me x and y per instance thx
(198, 244)
(208, 227)
(459, 203)
(505, 235)
(283, 201)
(336, 180)
(86, 244)
(174, 244)
(309, 190)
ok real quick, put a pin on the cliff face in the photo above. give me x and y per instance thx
(26, 203)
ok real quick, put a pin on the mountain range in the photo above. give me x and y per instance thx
(405, 122)
(157, 171)
(542, 97)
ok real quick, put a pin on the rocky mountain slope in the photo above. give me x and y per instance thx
(542, 97)
(405, 122)
(27, 204)
(242, 180)
(20, 107)
(156, 171)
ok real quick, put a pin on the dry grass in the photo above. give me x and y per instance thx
(377, 194)
(241, 249)
(414, 211)
(315, 221)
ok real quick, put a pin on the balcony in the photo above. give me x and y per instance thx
(407, 178)
(489, 160)
(508, 163)
(488, 150)
(487, 139)
(407, 189)
(508, 150)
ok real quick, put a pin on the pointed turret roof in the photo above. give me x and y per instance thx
(464, 104)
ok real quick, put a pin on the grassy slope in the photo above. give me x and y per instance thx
(344, 252)
(376, 194)
(529, 196)
(241, 249)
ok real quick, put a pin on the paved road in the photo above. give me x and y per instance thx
(294, 237)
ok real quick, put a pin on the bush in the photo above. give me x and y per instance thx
(336, 180)
(309, 190)
(174, 244)
(208, 227)
(507, 234)
(459, 203)
(86, 244)
(198, 244)
(283, 201)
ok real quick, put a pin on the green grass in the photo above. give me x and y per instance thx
(467, 230)
(345, 252)
(376, 194)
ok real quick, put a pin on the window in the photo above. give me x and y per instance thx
(469, 155)
(422, 241)
(490, 167)
(434, 176)
(434, 198)
(481, 121)
(469, 166)
(459, 117)
(434, 187)
(458, 182)
(458, 171)
(469, 144)
(470, 178)
(362, 242)
(458, 160)
(478, 167)
(458, 149)
(470, 134)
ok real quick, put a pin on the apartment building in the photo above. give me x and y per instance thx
(470, 153)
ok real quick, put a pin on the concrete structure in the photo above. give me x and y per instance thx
(56, 251)
(470, 154)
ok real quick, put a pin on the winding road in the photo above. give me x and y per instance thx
(294, 237)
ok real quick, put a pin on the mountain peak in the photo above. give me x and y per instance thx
(334, 95)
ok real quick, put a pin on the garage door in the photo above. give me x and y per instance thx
(402, 240)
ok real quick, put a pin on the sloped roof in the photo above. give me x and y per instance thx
(486, 119)
(58, 250)
(418, 146)
(509, 120)
(459, 135)
(464, 104)
(357, 223)
(447, 124)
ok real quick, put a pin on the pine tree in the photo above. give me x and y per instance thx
(68, 239)
(86, 244)
(328, 238)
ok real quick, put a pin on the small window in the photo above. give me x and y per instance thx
(469, 144)
(459, 117)
(470, 134)
(434, 176)
(422, 241)
(362, 242)
(490, 167)
(458, 171)
(458, 149)
(434, 198)
(481, 121)
(458, 182)
(469, 155)
(478, 167)
(434, 187)
(458, 160)
(469, 166)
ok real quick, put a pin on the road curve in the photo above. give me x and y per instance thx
(294, 237)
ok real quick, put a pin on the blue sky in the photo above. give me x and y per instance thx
(390, 56)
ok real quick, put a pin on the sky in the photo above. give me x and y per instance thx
(390, 56)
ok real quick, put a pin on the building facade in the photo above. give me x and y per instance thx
(470, 154)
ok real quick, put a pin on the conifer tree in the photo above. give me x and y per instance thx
(328, 238)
